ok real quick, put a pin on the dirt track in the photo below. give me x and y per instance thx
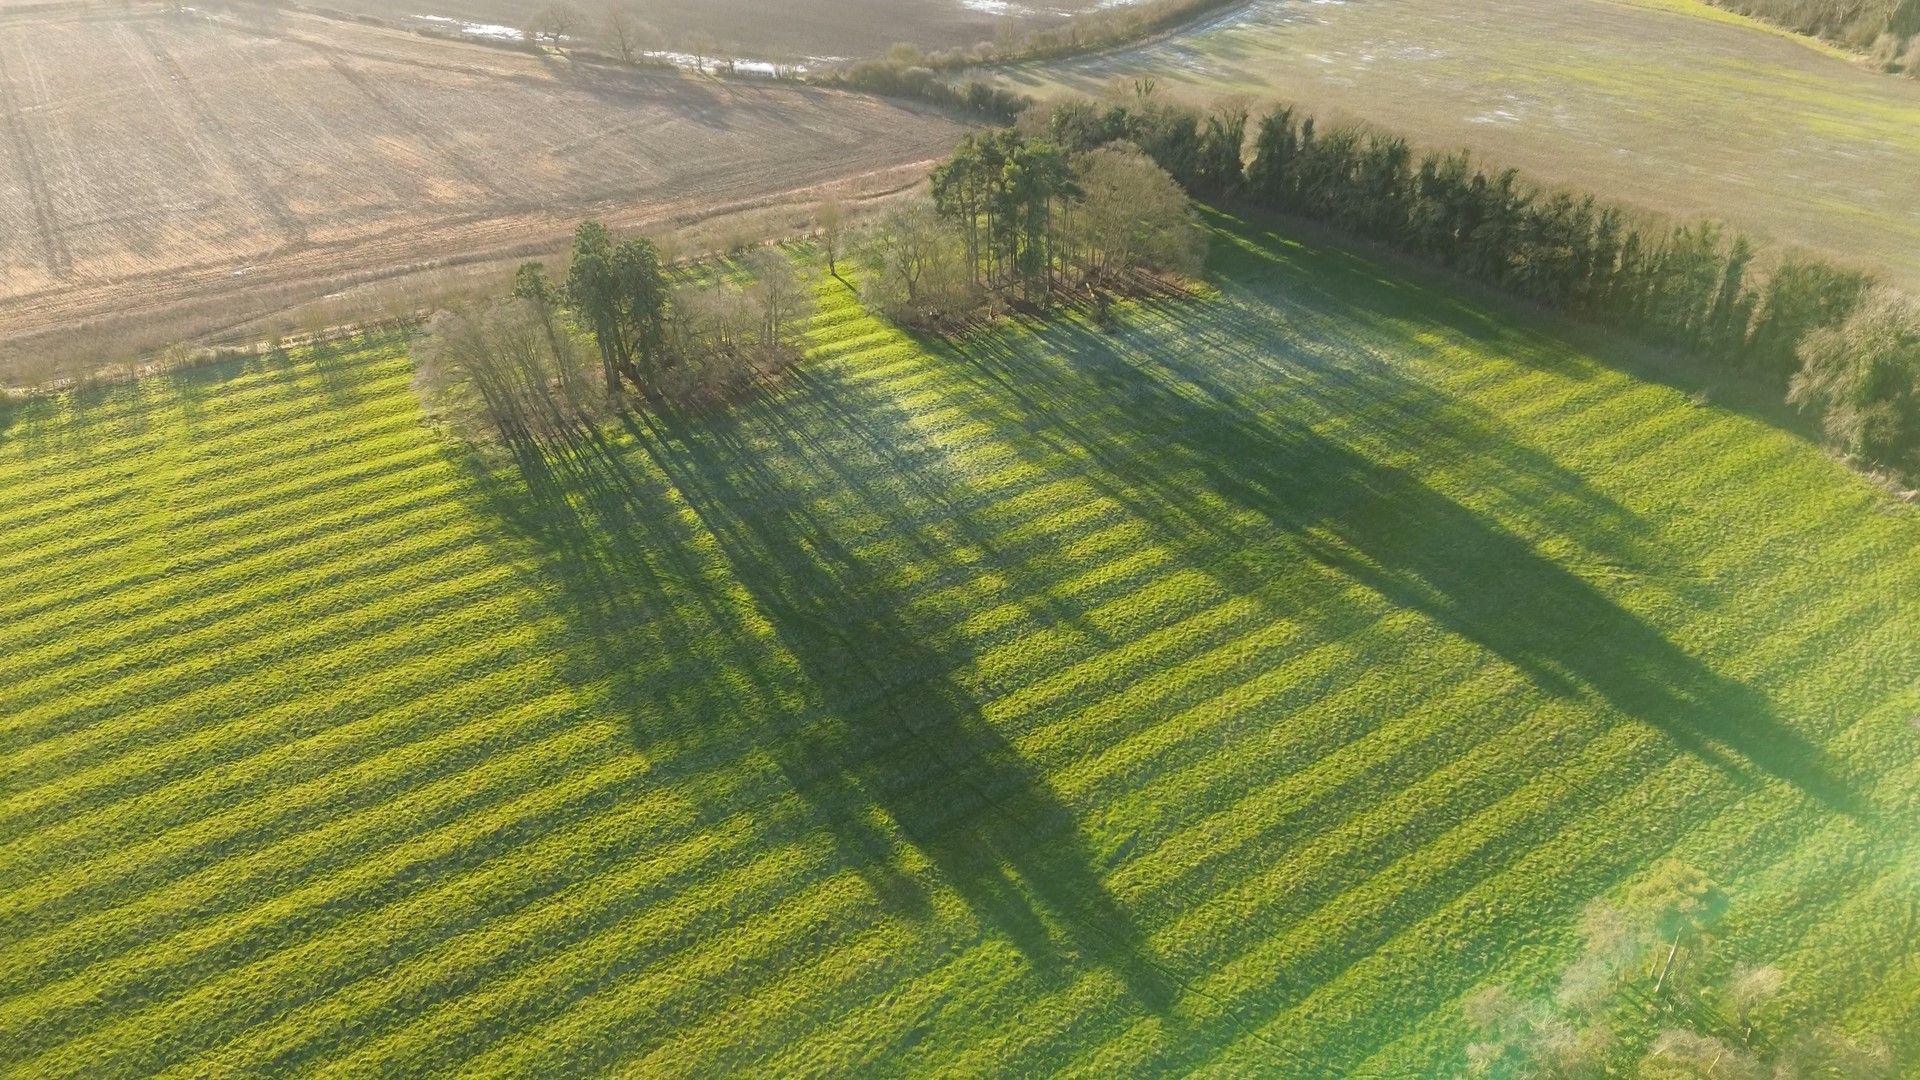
(155, 161)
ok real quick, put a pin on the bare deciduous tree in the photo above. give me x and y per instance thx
(1131, 215)
(702, 47)
(555, 22)
(723, 335)
(830, 218)
(626, 35)
(921, 269)
(496, 373)
(784, 301)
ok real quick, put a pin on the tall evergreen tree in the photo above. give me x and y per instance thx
(1276, 152)
(1220, 156)
(641, 293)
(593, 293)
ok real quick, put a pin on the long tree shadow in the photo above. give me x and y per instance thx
(1378, 523)
(880, 732)
(11, 410)
(615, 567)
(1180, 425)
(829, 662)
(956, 789)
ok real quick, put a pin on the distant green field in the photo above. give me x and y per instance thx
(1669, 104)
(1236, 690)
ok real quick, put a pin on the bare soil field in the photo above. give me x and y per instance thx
(1669, 104)
(150, 161)
(785, 29)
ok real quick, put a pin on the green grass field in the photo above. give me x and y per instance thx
(1673, 105)
(1233, 691)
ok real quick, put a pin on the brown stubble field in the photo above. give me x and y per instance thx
(152, 163)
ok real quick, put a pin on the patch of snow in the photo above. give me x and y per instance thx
(741, 64)
(473, 29)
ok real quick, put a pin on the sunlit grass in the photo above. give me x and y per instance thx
(1240, 687)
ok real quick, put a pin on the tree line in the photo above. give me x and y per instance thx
(1830, 337)
(1009, 218)
(537, 366)
(900, 75)
(1084, 195)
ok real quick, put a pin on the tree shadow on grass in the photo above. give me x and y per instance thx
(192, 387)
(339, 365)
(886, 743)
(1332, 270)
(875, 736)
(1378, 523)
(1166, 418)
(615, 566)
(50, 420)
(956, 789)
(30, 420)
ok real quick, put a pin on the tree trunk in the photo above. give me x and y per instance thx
(1667, 967)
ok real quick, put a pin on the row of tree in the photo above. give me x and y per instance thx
(534, 367)
(1847, 348)
(1084, 194)
(1015, 218)
(893, 78)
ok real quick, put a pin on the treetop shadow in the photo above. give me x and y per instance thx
(1381, 524)
(884, 727)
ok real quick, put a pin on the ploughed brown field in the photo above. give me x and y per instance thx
(151, 161)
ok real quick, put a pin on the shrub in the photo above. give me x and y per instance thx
(1864, 378)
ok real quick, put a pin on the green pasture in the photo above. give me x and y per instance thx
(1234, 690)
(1672, 105)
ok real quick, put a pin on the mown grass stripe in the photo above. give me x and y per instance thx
(1308, 628)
